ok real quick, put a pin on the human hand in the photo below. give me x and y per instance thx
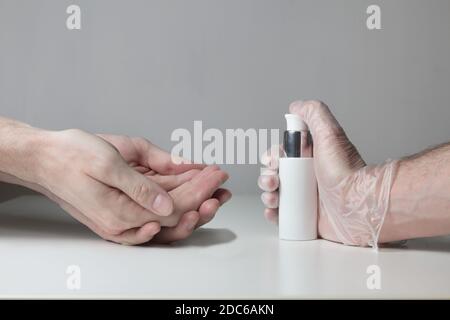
(194, 206)
(353, 197)
(88, 177)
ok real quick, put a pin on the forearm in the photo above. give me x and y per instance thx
(420, 197)
(20, 149)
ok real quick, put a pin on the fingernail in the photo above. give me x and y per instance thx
(162, 205)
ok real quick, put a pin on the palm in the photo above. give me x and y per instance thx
(137, 157)
(138, 153)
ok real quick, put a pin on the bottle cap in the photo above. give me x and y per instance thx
(294, 123)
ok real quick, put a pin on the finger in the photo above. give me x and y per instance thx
(121, 144)
(209, 208)
(140, 189)
(130, 237)
(270, 199)
(271, 157)
(271, 215)
(328, 135)
(316, 115)
(268, 182)
(209, 180)
(191, 195)
(170, 182)
(161, 161)
(111, 209)
(223, 195)
(182, 230)
(137, 235)
(207, 211)
(141, 169)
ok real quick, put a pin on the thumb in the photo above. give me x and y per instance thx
(333, 150)
(318, 117)
(142, 190)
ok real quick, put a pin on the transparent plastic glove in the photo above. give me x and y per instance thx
(353, 197)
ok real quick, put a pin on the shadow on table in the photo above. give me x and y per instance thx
(38, 226)
(205, 237)
(23, 221)
(432, 244)
(11, 191)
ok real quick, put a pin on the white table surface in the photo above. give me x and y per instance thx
(238, 255)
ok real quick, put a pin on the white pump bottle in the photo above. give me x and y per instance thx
(298, 185)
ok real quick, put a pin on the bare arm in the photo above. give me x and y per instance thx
(19, 145)
(420, 197)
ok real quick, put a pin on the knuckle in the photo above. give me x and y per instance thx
(104, 164)
(110, 157)
(141, 192)
(74, 132)
(191, 198)
(316, 105)
(197, 196)
(323, 107)
(141, 141)
(168, 167)
(321, 104)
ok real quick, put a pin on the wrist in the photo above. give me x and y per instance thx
(357, 206)
(22, 150)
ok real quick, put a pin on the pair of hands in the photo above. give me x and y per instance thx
(126, 190)
(129, 191)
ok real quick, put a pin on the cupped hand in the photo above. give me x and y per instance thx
(195, 189)
(118, 188)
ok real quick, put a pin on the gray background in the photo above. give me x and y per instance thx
(145, 68)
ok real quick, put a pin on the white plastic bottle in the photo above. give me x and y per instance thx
(298, 185)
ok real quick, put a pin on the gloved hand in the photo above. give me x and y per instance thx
(353, 197)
